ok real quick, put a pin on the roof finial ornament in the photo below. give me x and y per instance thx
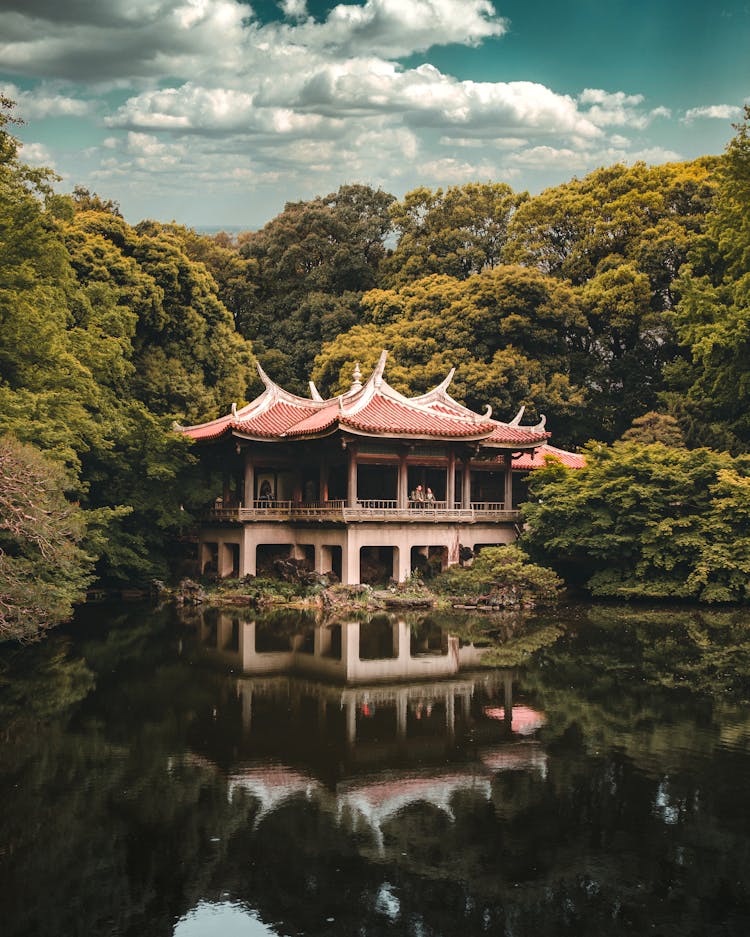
(539, 428)
(516, 421)
(357, 382)
(314, 393)
(234, 409)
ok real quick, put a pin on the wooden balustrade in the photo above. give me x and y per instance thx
(366, 509)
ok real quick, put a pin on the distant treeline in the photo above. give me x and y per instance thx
(619, 297)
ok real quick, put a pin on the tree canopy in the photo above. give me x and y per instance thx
(646, 521)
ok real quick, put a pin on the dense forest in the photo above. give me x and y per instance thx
(617, 304)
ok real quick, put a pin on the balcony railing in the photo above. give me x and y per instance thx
(366, 510)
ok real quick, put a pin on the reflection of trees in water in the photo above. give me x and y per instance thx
(110, 826)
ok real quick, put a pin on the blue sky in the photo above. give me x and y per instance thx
(217, 112)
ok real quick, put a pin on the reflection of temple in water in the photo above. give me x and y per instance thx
(383, 730)
(367, 695)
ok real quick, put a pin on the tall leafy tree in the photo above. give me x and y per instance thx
(710, 387)
(43, 568)
(511, 333)
(458, 232)
(311, 264)
(646, 216)
(648, 522)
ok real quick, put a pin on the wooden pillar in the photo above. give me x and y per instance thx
(466, 484)
(508, 482)
(351, 485)
(226, 491)
(323, 488)
(248, 490)
(403, 482)
(450, 481)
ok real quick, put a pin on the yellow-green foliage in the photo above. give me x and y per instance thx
(504, 573)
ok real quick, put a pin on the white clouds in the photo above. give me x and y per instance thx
(713, 112)
(193, 38)
(35, 154)
(396, 28)
(44, 102)
(618, 109)
(208, 95)
(294, 9)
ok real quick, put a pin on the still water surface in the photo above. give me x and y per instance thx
(219, 776)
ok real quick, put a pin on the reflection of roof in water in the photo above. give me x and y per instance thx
(272, 785)
(524, 720)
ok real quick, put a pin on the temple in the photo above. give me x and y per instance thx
(367, 480)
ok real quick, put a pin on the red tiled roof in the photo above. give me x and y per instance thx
(520, 435)
(536, 459)
(277, 420)
(373, 408)
(384, 415)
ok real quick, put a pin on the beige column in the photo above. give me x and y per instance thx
(225, 560)
(466, 484)
(350, 647)
(351, 484)
(350, 561)
(450, 481)
(508, 506)
(403, 481)
(321, 641)
(323, 559)
(351, 721)
(249, 486)
(404, 642)
(401, 563)
(248, 553)
(246, 696)
(205, 556)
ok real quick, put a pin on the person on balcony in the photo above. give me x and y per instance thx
(429, 498)
(265, 491)
(417, 497)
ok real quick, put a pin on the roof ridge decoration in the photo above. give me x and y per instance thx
(516, 421)
(438, 392)
(314, 392)
(365, 392)
(276, 393)
(376, 383)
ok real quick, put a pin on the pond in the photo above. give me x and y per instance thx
(219, 775)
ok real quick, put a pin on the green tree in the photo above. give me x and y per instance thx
(43, 569)
(709, 389)
(458, 232)
(654, 427)
(641, 215)
(514, 336)
(645, 522)
(310, 264)
(505, 576)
